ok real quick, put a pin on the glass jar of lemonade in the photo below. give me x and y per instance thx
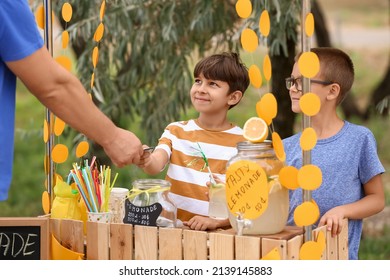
(253, 190)
(149, 204)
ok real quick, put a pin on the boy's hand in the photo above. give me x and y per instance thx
(333, 219)
(205, 223)
(145, 157)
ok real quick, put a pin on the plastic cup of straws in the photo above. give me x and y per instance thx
(99, 217)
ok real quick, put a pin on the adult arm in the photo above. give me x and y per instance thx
(64, 95)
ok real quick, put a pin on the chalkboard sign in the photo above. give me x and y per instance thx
(145, 216)
(24, 238)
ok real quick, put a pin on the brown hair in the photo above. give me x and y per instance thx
(337, 67)
(226, 67)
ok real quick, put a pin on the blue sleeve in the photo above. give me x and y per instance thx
(369, 165)
(19, 34)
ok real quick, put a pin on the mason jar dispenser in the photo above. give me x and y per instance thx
(257, 202)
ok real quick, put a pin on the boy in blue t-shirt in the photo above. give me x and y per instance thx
(346, 153)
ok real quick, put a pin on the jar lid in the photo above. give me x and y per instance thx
(247, 145)
(149, 183)
(119, 191)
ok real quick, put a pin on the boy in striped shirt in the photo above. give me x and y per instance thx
(220, 81)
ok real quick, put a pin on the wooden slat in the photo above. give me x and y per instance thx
(221, 246)
(55, 228)
(331, 246)
(69, 233)
(293, 247)
(195, 245)
(170, 244)
(145, 243)
(72, 235)
(247, 247)
(268, 245)
(343, 242)
(98, 241)
(121, 242)
(316, 231)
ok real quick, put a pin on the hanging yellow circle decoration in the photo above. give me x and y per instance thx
(306, 214)
(102, 10)
(308, 139)
(264, 23)
(95, 56)
(99, 32)
(249, 40)
(309, 177)
(243, 8)
(40, 17)
(267, 67)
(309, 25)
(267, 108)
(278, 146)
(288, 177)
(46, 202)
(82, 149)
(65, 39)
(59, 126)
(255, 76)
(309, 64)
(45, 131)
(310, 250)
(274, 254)
(60, 153)
(92, 80)
(310, 104)
(67, 12)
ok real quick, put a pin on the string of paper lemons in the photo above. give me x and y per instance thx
(60, 152)
(256, 129)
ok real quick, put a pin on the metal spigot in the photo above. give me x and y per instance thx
(242, 223)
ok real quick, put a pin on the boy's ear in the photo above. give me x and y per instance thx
(235, 97)
(334, 92)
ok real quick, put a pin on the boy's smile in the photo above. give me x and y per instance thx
(210, 93)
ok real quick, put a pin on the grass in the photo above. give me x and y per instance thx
(377, 248)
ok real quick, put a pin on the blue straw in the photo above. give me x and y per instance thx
(81, 191)
(85, 175)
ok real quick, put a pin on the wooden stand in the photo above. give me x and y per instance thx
(128, 242)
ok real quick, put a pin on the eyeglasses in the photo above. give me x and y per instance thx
(298, 83)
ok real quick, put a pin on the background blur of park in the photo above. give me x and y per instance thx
(359, 27)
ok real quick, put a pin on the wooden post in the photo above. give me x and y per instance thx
(121, 242)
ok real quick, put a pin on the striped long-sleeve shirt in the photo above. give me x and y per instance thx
(186, 172)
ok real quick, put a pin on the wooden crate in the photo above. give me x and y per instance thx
(128, 242)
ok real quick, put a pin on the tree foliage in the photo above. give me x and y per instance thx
(146, 54)
(149, 49)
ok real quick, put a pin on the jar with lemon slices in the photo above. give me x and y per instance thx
(253, 191)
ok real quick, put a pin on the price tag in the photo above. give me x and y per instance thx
(246, 189)
(144, 216)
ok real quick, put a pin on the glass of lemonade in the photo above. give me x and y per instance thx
(217, 202)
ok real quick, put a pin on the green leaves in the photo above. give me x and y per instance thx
(149, 48)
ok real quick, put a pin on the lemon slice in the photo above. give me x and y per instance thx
(255, 130)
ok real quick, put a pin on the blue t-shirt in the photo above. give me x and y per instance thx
(347, 160)
(19, 38)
